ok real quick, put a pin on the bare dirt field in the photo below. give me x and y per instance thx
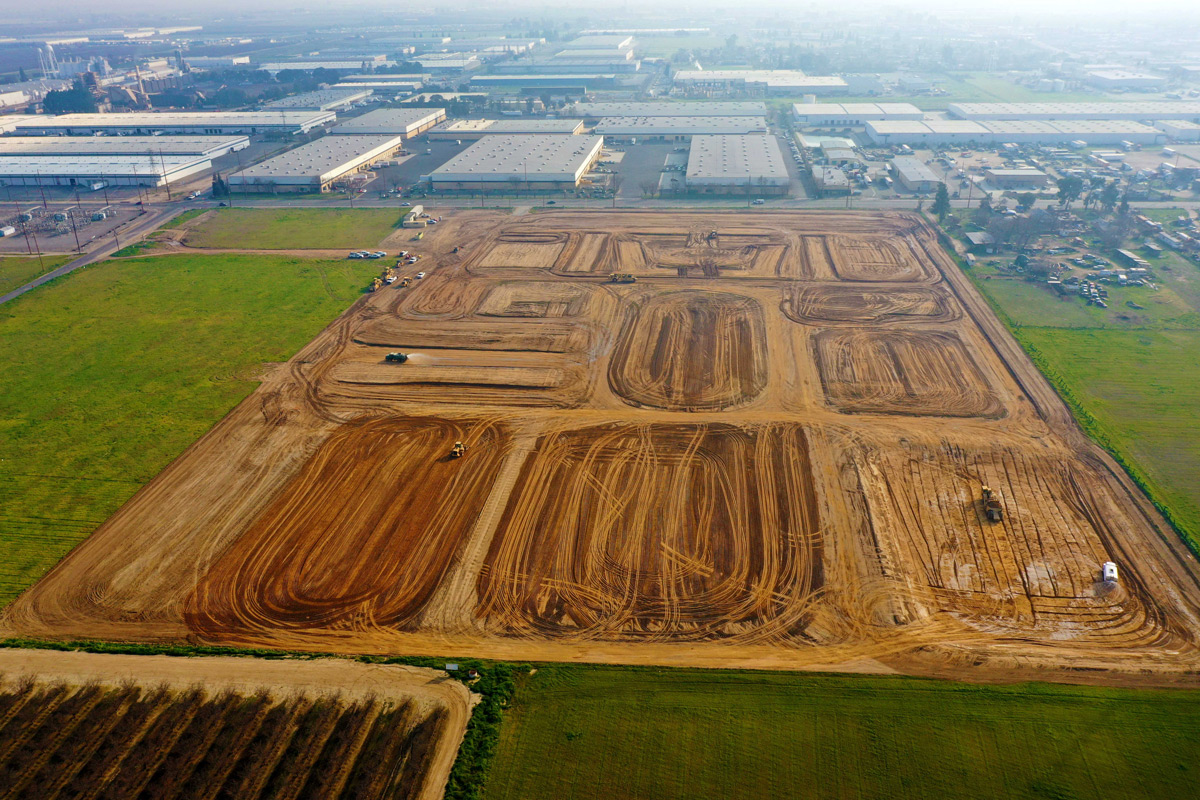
(92, 725)
(768, 451)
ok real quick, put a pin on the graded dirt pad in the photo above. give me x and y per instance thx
(768, 451)
(837, 304)
(903, 372)
(691, 351)
(314, 559)
(91, 725)
(658, 532)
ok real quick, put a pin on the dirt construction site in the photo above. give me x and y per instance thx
(709, 439)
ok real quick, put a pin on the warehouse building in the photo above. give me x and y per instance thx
(197, 123)
(84, 170)
(532, 162)
(478, 128)
(406, 122)
(322, 100)
(1138, 110)
(851, 115)
(756, 82)
(314, 167)
(368, 79)
(596, 111)
(1180, 130)
(337, 65)
(43, 146)
(737, 164)
(985, 132)
(1016, 178)
(1109, 79)
(913, 174)
(830, 180)
(574, 84)
(612, 42)
(678, 129)
(384, 89)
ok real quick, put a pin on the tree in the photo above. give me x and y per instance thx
(21, 73)
(1109, 196)
(648, 187)
(941, 202)
(1027, 199)
(983, 214)
(1069, 189)
(614, 185)
(75, 100)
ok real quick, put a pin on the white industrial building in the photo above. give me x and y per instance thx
(1109, 79)
(478, 128)
(1179, 130)
(314, 167)
(520, 162)
(983, 132)
(82, 170)
(1135, 110)
(48, 146)
(611, 42)
(737, 164)
(340, 65)
(678, 129)
(1025, 178)
(766, 82)
(406, 122)
(200, 123)
(851, 115)
(322, 99)
(913, 174)
(669, 109)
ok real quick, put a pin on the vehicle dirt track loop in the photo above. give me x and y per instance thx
(766, 451)
(672, 532)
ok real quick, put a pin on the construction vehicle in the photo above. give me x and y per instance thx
(621, 277)
(458, 451)
(398, 358)
(991, 504)
(405, 281)
(376, 284)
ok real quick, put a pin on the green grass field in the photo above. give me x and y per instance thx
(107, 374)
(295, 228)
(1131, 374)
(590, 732)
(16, 271)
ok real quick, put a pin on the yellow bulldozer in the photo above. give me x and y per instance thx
(376, 284)
(621, 277)
(405, 281)
(458, 451)
(991, 504)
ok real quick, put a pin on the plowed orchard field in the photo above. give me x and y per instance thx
(768, 450)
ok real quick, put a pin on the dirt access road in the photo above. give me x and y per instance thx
(768, 451)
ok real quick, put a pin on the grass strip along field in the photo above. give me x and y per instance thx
(109, 373)
(584, 732)
(294, 228)
(16, 271)
(1131, 378)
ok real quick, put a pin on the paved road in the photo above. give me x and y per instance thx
(154, 217)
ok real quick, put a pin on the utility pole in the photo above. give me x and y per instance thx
(166, 182)
(24, 228)
(41, 189)
(75, 230)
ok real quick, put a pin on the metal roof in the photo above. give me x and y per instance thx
(117, 145)
(390, 121)
(716, 159)
(111, 165)
(670, 109)
(329, 155)
(541, 156)
(1167, 109)
(680, 126)
(155, 120)
(322, 99)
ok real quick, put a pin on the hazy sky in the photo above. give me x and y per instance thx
(159, 11)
